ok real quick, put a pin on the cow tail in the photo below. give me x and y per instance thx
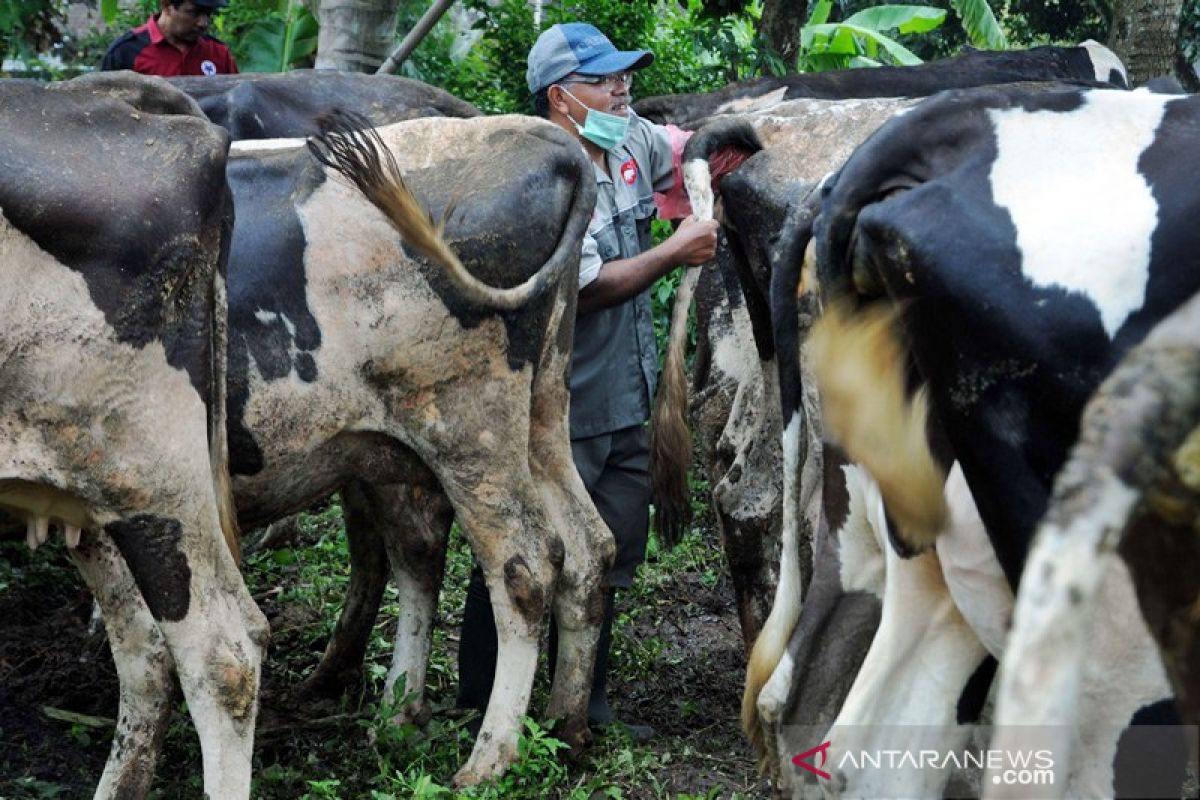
(347, 144)
(859, 362)
(670, 436)
(218, 436)
(793, 278)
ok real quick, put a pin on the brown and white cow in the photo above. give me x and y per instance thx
(112, 396)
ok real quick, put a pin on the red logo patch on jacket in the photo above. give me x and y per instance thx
(629, 172)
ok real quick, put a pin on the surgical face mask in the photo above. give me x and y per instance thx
(606, 131)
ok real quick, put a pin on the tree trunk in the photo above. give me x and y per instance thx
(780, 24)
(355, 35)
(1145, 35)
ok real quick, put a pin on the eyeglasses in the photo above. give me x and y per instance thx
(609, 82)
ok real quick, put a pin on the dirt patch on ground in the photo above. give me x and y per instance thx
(683, 650)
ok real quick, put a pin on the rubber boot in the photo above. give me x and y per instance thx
(599, 712)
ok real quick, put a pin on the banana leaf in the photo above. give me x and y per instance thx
(980, 24)
(278, 43)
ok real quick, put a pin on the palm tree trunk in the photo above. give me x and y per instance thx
(356, 35)
(1145, 35)
(780, 24)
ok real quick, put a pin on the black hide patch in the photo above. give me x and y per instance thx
(262, 106)
(1151, 759)
(975, 692)
(270, 322)
(134, 201)
(151, 547)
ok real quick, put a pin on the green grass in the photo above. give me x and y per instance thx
(352, 750)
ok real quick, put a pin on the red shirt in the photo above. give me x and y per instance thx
(146, 50)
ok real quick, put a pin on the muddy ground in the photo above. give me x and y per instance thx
(680, 655)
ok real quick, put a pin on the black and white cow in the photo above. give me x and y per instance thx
(1022, 242)
(1129, 488)
(743, 460)
(352, 358)
(379, 531)
(279, 106)
(1088, 62)
(112, 383)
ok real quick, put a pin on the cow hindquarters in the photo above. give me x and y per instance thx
(1126, 479)
(143, 668)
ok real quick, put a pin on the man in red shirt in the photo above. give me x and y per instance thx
(173, 42)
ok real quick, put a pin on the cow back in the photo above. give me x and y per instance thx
(143, 243)
(261, 106)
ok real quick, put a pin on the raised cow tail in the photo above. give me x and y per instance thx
(670, 436)
(349, 145)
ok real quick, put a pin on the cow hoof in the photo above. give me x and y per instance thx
(417, 712)
(466, 777)
(577, 735)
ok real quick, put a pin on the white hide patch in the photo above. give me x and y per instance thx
(788, 590)
(1083, 213)
(973, 573)
(698, 182)
(862, 565)
(260, 145)
(1104, 61)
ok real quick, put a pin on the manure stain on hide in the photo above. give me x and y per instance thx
(525, 593)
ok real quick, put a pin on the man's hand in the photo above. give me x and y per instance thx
(694, 242)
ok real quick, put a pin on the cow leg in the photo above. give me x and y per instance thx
(143, 667)
(416, 548)
(583, 549)
(213, 630)
(503, 519)
(923, 644)
(347, 646)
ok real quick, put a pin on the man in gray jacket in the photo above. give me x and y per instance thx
(582, 83)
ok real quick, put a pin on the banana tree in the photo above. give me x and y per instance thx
(863, 40)
(285, 39)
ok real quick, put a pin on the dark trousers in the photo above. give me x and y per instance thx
(615, 470)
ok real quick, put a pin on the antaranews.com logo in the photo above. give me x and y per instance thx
(888, 761)
(1019, 768)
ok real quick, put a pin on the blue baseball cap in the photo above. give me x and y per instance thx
(577, 47)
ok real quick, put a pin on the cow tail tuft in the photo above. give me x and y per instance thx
(670, 436)
(349, 145)
(768, 649)
(860, 364)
